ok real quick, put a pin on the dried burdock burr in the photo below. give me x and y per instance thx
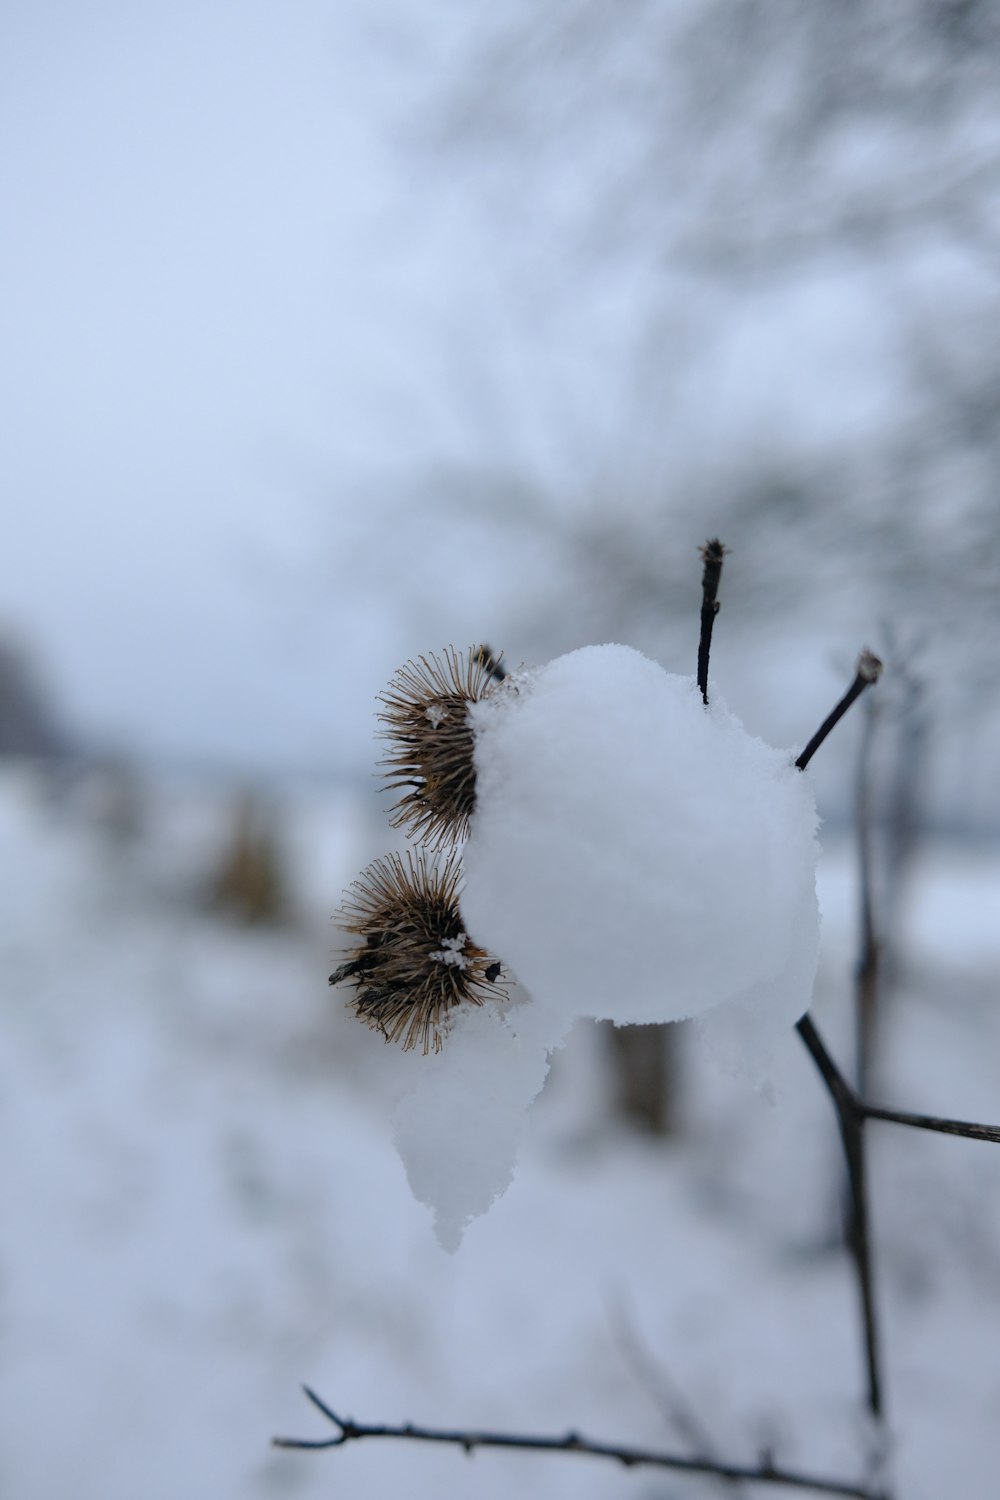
(426, 721)
(412, 962)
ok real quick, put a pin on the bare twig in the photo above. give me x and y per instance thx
(852, 1111)
(866, 975)
(713, 554)
(763, 1473)
(851, 1119)
(845, 1097)
(868, 670)
(967, 1128)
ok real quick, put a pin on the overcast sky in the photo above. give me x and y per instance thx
(214, 283)
(236, 311)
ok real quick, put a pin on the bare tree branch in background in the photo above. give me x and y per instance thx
(668, 1394)
(867, 969)
(708, 170)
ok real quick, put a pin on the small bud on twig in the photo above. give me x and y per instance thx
(869, 666)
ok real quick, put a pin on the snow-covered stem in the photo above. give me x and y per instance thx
(764, 1472)
(868, 670)
(713, 554)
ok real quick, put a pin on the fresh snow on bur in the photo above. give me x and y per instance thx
(634, 856)
(450, 954)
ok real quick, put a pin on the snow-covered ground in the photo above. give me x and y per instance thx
(201, 1206)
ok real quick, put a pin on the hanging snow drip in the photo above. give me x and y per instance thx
(634, 855)
(412, 962)
(426, 717)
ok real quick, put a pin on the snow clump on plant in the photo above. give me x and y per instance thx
(632, 856)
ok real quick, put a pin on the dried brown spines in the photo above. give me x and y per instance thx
(412, 961)
(426, 719)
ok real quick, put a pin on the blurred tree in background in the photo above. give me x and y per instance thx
(29, 724)
(250, 883)
(747, 261)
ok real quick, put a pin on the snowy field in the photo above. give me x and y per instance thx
(202, 1206)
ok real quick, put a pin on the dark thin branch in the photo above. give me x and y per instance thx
(763, 1473)
(967, 1128)
(851, 1120)
(849, 1117)
(841, 1092)
(866, 994)
(868, 670)
(852, 1112)
(841, 1089)
(867, 972)
(860, 1247)
(713, 554)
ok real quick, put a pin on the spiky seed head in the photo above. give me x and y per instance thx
(411, 962)
(426, 718)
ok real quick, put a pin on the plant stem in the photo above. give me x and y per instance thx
(868, 670)
(851, 1118)
(713, 554)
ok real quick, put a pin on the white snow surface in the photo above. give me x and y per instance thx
(633, 857)
(203, 1207)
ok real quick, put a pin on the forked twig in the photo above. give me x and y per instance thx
(851, 1120)
(852, 1112)
(765, 1472)
(868, 971)
(849, 1102)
